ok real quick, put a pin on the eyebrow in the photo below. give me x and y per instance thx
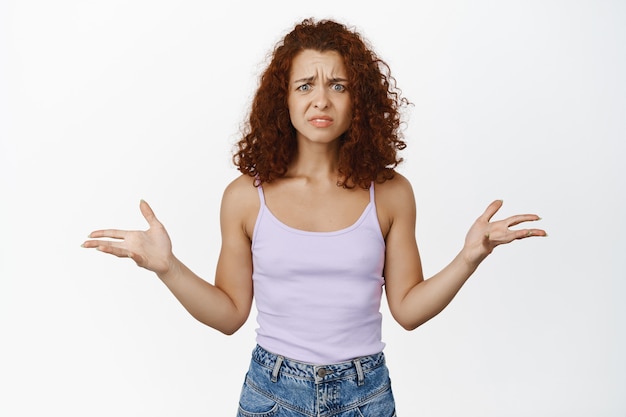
(310, 79)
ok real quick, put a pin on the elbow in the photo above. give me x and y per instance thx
(410, 323)
(409, 327)
(405, 323)
(228, 327)
(230, 330)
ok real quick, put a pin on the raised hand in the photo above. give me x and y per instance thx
(485, 235)
(150, 249)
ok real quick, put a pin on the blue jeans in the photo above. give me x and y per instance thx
(280, 387)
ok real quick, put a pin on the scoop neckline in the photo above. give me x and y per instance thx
(346, 229)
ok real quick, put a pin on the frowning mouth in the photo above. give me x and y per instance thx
(321, 121)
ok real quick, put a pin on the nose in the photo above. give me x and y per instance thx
(320, 99)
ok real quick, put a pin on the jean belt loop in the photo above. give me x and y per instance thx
(279, 361)
(359, 371)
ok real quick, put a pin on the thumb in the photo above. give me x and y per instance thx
(148, 214)
(491, 210)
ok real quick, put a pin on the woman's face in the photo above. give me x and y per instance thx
(319, 101)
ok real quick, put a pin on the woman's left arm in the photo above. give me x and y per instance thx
(413, 300)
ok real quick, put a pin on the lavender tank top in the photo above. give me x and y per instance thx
(318, 294)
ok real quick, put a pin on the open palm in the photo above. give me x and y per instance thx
(150, 249)
(485, 235)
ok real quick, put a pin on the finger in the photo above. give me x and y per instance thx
(147, 213)
(524, 233)
(108, 233)
(103, 244)
(491, 210)
(115, 250)
(91, 243)
(520, 218)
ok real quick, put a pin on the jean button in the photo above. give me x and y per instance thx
(321, 372)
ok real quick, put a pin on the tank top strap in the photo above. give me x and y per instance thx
(261, 195)
(372, 200)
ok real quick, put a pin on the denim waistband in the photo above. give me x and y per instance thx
(318, 373)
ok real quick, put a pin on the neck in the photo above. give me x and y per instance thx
(315, 162)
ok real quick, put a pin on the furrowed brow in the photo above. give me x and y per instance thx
(304, 80)
(311, 79)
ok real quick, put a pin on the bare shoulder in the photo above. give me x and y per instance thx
(395, 193)
(398, 184)
(394, 200)
(240, 203)
(241, 187)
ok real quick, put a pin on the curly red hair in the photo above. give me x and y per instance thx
(368, 149)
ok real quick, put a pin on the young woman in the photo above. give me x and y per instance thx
(317, 224)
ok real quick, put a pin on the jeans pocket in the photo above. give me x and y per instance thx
(382, 405)
(254, 404)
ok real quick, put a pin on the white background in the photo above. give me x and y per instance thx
(103, 103)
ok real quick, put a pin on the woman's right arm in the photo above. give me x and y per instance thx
(224, 306)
